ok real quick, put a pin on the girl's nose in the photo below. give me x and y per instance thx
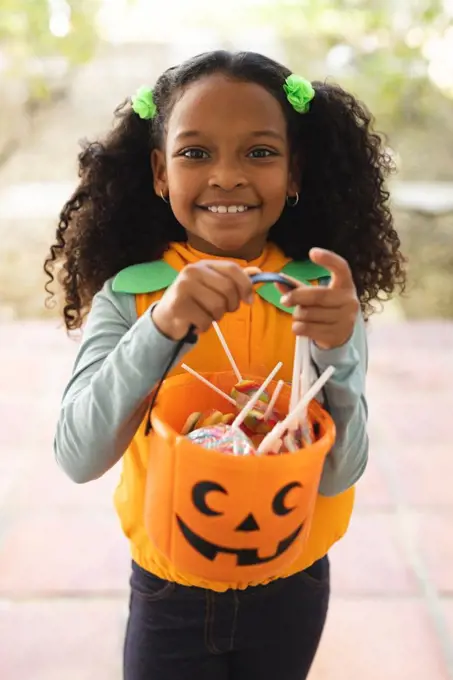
(227, 176)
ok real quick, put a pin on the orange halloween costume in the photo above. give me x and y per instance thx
(259, 336)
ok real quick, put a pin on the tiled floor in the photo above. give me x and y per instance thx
(64, 563)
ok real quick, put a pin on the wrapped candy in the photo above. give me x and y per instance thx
(224, 439)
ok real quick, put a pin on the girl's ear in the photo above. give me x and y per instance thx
(293, 186)
(159, 169)
(294, 180)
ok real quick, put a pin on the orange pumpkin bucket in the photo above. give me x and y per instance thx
(221, 517)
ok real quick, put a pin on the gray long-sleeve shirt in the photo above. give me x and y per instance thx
(120, 360)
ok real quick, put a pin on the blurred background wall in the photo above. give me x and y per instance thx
(65, 64)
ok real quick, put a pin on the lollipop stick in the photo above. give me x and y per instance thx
(297, 366)
(305, 384)
(305, 367)
(223, 342)
(286, 424)
(273, 400)
(208, 384)
(237, 422)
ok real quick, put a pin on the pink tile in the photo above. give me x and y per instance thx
(435, 542)
(425, 474)
(62, 640)
(25, 426)
(369, 639)
(64, 551)
(44, 485)
(372, 490)
(370, 559)
(447, 606)
(12, 469)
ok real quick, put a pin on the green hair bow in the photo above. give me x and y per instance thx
(299, 92)
(143, 103)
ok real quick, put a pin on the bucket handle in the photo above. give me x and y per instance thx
(191, 337)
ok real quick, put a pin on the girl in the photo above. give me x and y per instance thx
(231, 162)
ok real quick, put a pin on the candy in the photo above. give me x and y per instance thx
(191, 422)
(255, 423)
(224, 439)
(244, 390)
(212, 417)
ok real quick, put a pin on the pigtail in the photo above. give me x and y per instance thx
(115, 197)
(344, 202)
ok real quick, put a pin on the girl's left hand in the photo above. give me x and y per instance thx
(325, 314)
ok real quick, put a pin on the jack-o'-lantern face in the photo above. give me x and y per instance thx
(248, 530)
(228, 519)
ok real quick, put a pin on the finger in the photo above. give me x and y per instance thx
(316, 296)
(232, 272)
(337, 266)
(250, 271)
(284, 289)
(321, 315)
(196, 315)
(222, 285)
(212, 302)
(212, 280)
(318, 332)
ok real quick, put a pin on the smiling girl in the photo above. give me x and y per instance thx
(230, 162)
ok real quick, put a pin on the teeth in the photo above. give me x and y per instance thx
(227, 209)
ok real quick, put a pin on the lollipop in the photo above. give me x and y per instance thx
(257, 421)
(273, 440)
(244, 390)
(256, 424)
(224, 439)
(259, 417)
(230, 438)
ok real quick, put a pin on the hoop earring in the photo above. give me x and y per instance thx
(163, 197)
(294, 199)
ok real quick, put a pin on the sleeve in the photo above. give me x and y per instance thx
(345, 392)
(120, 360)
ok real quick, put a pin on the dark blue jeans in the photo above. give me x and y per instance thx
(265, 632)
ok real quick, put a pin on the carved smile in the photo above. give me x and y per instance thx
(245, 557)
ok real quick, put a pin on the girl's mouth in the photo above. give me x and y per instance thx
(219, 209)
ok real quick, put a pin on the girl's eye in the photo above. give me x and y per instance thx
(195, 154)
(262, 153)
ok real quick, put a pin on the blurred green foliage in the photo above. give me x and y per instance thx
(40, 39)
(380, 49)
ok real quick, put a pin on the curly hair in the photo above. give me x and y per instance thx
(114, 218)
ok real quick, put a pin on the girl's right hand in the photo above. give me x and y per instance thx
(203, 292)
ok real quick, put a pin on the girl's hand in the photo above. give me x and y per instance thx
(326, 315)
(203, 292)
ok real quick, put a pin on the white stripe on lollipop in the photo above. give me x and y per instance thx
(227, 350)
(250, 404)
(208, 384)
(278, 431)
